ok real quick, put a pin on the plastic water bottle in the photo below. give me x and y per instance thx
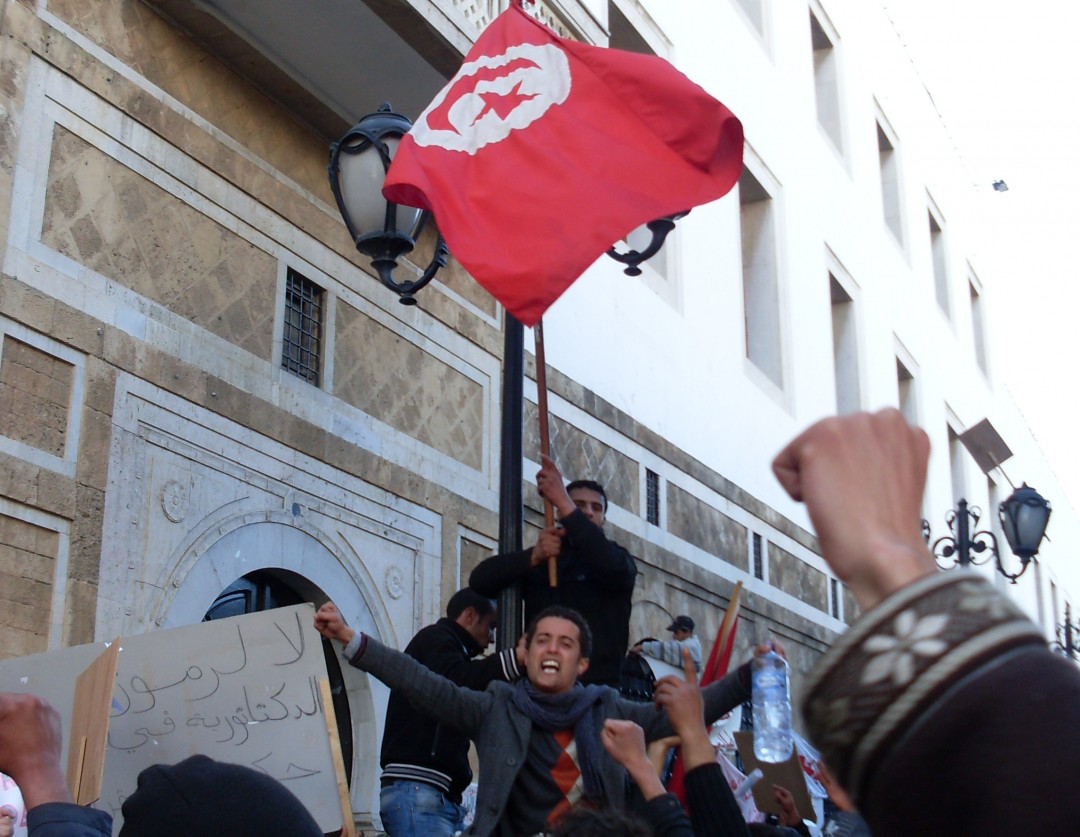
(772, 707)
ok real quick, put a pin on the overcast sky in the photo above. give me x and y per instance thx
(1003, 75)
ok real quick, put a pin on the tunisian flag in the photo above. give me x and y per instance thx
(543, 152)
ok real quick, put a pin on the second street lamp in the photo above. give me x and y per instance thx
(1023, 516)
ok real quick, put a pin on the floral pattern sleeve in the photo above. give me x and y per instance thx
(897, 664)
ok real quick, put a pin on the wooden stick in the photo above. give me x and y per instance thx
(545, 435)
(348, 827)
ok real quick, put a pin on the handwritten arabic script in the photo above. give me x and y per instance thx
(243, 690)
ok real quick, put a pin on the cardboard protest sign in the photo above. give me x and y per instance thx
(243, 690)
(787, 774)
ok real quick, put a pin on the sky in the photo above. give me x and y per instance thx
(1001, 73)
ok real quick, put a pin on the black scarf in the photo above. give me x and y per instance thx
(562, 711)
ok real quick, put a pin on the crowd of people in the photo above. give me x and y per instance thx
(940, 712)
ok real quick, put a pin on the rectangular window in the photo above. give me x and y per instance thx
(978, 327)
(652, 497)
(834, 604)
(755, 12)
(845, 348)
(889, 163)
(301, 351)
(941, 277)
(759, 562)
(905, 386)
(761, 288)
(956, 466)
(826, 82)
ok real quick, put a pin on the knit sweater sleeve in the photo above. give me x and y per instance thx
(947, 678)
(713, 809)
(458, 706)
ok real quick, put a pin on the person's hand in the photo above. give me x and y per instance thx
(789, 814)
(763, 648)
(862, 478)
(657, 751)
(30, 743)
(7, 820)
(635, 649)
(836, 793)
(625, 742)
(548, 545)
(682, 699)
(331, 624)
(549, 483)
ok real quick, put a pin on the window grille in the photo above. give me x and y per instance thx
(301, 351)
(652, 497)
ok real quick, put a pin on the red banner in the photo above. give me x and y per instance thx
(543, 152)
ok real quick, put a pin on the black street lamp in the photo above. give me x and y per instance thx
(385, 231)
(1065, 634)
(659, 230)
(381, 230)
(1023, 519)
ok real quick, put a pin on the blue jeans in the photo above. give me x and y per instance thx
(412, 809)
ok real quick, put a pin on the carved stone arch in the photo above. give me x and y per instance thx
(317, 568)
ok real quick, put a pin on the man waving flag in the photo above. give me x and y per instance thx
(542, 152)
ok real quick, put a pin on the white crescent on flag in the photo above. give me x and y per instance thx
(493, 96)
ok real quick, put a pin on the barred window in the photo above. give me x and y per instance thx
(835, 589)
(759, 564)
(301, 351)
(652, 497)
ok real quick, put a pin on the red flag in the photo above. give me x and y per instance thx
(543, 152)
(715, 668)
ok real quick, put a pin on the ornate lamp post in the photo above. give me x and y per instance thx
(381, 230)
(385, 232)
(659, 230)
(1066, 632)
(1023, 519)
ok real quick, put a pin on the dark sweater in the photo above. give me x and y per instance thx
(415, 746)
(596, 578)
(942, 712)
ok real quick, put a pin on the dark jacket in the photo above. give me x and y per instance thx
(415, 746)
(64, 819)
(596, 578)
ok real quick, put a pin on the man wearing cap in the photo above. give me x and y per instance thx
(670, 651)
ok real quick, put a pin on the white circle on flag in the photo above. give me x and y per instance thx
(493, 96)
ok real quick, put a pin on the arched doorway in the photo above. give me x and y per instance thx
(269, 589)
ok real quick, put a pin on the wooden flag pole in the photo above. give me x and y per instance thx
(545, 436)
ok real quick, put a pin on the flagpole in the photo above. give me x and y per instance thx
(545, 436)
(510, 474)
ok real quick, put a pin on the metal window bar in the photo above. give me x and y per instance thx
(652, 497)
(759, 564)
(302, 343)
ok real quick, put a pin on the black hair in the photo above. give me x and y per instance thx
(570, 615)
(463, 599)
(592, 485)
(585, 821)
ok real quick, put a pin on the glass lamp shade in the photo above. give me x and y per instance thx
(1023, 520)
(358, 166)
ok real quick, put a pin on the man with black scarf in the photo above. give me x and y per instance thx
(538, 741)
